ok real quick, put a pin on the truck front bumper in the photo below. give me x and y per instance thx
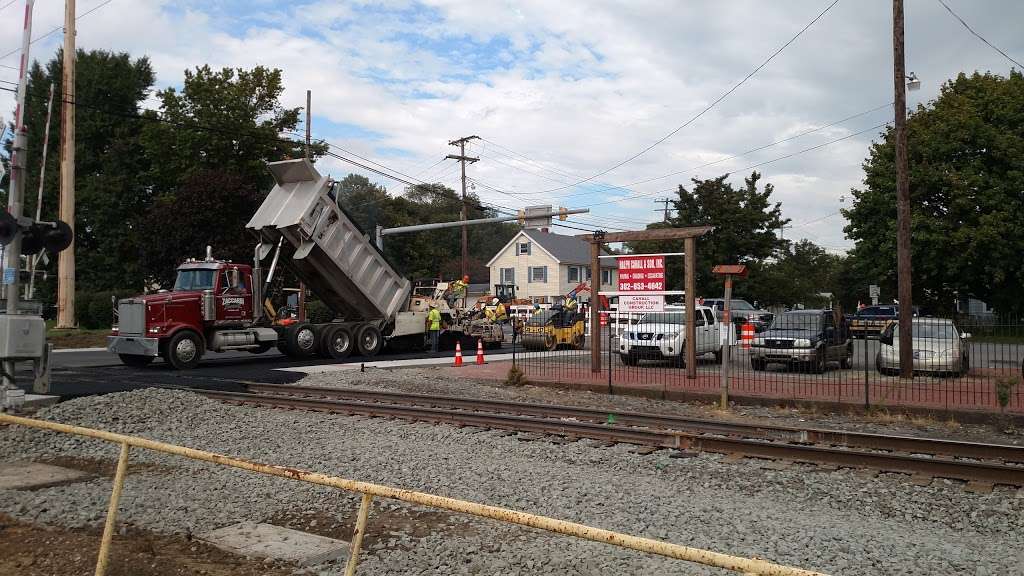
(133, 345)
(783, 354)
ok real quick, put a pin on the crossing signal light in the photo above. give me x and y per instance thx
(37, 236)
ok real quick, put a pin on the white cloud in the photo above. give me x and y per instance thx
(577, 87)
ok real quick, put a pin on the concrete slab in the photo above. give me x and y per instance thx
(269, 541)
(30, 475)
(37, 401)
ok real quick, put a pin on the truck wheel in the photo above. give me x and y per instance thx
(629, 359)
(335, 342)
(299, 340)
(550, 343)
(579, 341)
(135, 361)
(183, 350)
(757, 364)
(369, 340)
(817, 366)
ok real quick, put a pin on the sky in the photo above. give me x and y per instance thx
(560, 92)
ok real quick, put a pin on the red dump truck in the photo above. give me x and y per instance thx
(218, 306)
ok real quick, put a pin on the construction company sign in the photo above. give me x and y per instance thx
(641, 274)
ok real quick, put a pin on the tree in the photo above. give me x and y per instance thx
(745, 222)
(965, 153)
(207, 150)
(110, 192)
(797, 276)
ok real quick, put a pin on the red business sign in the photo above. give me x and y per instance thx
(641, 274)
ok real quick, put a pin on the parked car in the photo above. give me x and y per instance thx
(741, 312)
(810, 338)
(939, 347)
(868, 322)
(662, 336)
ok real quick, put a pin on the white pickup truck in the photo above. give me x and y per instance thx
(661, 336)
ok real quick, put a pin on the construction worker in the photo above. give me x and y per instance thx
(536, 309)
(433, 326)
(457, 293)
(500, 314)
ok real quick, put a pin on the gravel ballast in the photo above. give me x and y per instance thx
(839, 522)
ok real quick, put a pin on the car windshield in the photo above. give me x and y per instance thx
(797, 321)
(195, 279)
(934, 330)
(664, 318)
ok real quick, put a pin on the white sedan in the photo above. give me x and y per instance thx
(938, 347)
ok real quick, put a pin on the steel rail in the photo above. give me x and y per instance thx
(907, 444)
(971, 471)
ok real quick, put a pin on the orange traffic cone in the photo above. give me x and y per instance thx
(458, 354)
(480, 351)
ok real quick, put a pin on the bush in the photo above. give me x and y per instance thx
(94, 310)
(318, 312)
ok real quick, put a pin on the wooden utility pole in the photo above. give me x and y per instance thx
(690, 299)
(595, 300)
(666, 202)
(66, 259)
(461, 143)
(903, 263)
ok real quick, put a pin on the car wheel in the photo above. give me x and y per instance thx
(718, 356)
(846, 362)
(135, 360)
(184, 350)
(299, 340)
(335, 342)
(579, 341)
(758, 364)
(817, 366)
(369, 340)
(629, 359)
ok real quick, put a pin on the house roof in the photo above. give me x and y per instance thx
(564, 249)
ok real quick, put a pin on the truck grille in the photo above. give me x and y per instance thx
(131, 318)
(778, 343)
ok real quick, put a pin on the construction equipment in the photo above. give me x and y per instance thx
(553, 328)
(215, 304)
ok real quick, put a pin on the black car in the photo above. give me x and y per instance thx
(810, 338)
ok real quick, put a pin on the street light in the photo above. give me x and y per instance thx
(913, 83)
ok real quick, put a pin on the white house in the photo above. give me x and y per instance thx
(543, 266)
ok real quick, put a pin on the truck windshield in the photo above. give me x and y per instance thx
(664, 318)
(797, 321)
(195, 279)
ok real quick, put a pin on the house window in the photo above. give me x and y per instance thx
(606, 276)
(523, 249)
(574, 274)
(537, 274)
(507, 276)
(588, 273)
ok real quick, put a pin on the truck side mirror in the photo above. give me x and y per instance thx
(886, 337)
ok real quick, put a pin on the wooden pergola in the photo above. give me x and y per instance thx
(689, 237)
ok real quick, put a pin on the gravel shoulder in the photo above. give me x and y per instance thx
(839, 522)
(426, 381)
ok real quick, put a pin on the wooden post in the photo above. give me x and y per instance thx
(726, 325)
(903, 259)
(357, 536)
(115, 497)
(595, 304)
(66, 259)
(690, 265)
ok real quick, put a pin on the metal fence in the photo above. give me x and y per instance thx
(960, 363)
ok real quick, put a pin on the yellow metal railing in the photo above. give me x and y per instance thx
(747, 566)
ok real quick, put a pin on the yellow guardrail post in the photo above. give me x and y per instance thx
(115, 497)
(357, 536)
(582, 531)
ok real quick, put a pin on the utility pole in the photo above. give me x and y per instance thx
(309, 97)
(666, 202)
(903, 264)
(66, 259)
(461, 143)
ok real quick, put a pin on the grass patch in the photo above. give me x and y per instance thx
(77, 338)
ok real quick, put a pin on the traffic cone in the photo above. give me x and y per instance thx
(458, 354)
(480, 351)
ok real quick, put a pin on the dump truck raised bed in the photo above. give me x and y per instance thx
(218, 306)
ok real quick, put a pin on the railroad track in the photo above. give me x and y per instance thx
(982, 465)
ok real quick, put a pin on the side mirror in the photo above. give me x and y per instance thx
(965, 335)
(886, 338)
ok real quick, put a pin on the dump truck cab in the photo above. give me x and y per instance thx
(553, 328)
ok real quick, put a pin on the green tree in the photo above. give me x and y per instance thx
(745, 221)
(796, 276)
(110, 192)
(222, 126)
(966, 161)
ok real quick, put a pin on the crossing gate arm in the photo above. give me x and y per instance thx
(368, 490)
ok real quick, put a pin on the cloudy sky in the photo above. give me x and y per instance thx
(562, 91)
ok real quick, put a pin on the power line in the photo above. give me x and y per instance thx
(709, 106)
(57, 29)
(979, 36)
(750, 167)
(8, 4)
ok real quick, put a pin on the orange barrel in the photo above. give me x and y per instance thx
(747, 335)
